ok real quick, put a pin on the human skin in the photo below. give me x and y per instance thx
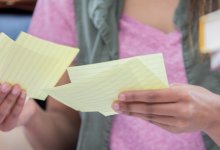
(58, 126)
(179, 108)
(55, 128)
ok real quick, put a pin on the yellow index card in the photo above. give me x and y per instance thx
(47, 48)
(33, 70)
(4, 39)
(97, 91)
(154, 62)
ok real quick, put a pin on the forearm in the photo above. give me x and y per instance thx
(52, 130)
(55, 128)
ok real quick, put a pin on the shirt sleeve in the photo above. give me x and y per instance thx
(54, 20)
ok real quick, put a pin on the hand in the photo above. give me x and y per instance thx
(12, 101)
(180, 108)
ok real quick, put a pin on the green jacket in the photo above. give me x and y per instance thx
(97, 26)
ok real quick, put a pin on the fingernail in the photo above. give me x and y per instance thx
(16, 90)
(5, 87)
(122, 97)
(116, 107)
(23, 95)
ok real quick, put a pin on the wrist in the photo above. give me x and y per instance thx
(214, 129)
(213, 120)
(214, 132)
(30, 115)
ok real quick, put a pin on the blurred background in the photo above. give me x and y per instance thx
(15, 16)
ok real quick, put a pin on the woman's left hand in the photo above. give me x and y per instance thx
(180, 108)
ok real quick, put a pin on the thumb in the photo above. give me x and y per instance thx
(28, 112)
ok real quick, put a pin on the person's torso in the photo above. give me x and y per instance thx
(130, 133)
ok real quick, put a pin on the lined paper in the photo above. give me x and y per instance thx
(46, 48)
(37, 65)
(28, 62)
(154, 62)
(95, 87)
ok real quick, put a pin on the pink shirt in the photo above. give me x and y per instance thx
(54, 21)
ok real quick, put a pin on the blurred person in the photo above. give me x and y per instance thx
(105, 30)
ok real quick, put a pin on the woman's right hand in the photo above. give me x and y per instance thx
(12, 110)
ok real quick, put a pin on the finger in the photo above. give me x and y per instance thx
(11, 120)
(166, 109)
(171, 124)
(167, 128)
(165, 120)
(151, 96)
(162, 125)
(5, 88)
(9, 102)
